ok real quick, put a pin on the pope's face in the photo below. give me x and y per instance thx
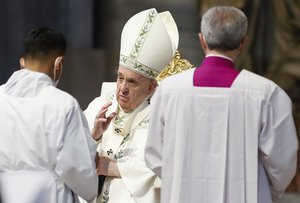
(132, 89)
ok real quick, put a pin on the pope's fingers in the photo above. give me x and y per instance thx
(107, 119)
(102, 120)
(103, 110)
(106, 105)
(101, 113)
(112, 115)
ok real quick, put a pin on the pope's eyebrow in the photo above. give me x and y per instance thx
(131, 80)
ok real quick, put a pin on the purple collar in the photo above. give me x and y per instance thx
(215, 72)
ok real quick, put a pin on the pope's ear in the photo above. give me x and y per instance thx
(152, 86)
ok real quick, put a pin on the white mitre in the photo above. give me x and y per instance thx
(148, 42)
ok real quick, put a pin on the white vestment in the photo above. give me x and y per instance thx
(127, 146)
(221, 145)
(46, 151)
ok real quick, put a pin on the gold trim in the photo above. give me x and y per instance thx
(176, 65)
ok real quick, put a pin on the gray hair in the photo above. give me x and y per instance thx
(224, 28)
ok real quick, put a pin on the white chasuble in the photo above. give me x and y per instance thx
(124, 141)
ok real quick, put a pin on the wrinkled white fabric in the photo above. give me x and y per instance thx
(221, 145)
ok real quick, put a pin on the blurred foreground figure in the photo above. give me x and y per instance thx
(47, 153)
(218, 135)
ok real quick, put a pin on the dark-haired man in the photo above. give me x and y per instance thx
(46, 151)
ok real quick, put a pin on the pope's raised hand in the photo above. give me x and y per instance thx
(102, 121)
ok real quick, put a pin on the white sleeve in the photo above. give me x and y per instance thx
(137, 177)
(278, 143)
(76, 155)
(154, 144)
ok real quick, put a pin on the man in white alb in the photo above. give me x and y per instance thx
(47, 154)
(218, 135)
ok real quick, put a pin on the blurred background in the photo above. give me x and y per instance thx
(93, 29)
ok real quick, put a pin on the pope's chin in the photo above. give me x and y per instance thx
(123, 102)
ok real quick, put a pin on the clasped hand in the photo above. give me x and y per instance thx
(107, 167)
